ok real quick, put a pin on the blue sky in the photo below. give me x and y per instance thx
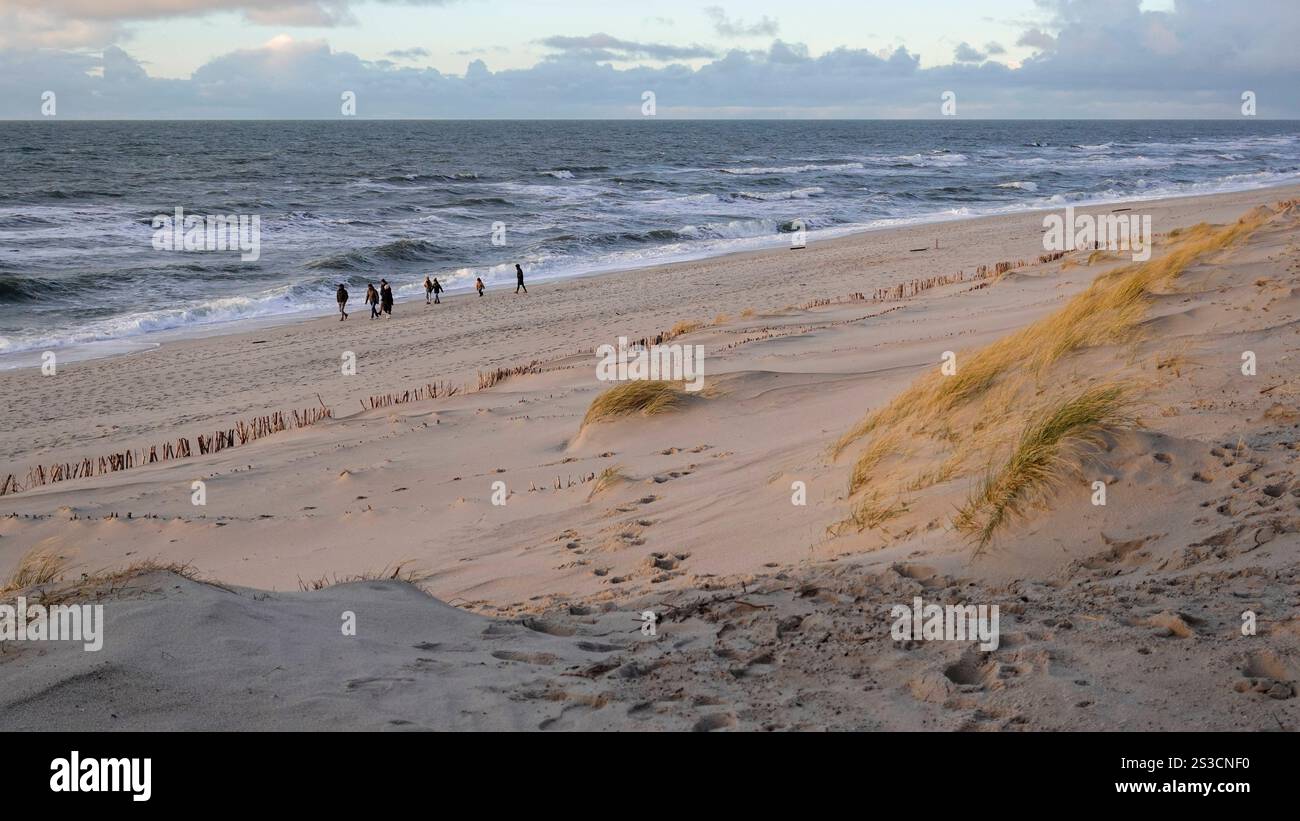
(584, 58)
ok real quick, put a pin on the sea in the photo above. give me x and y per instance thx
(351, 201)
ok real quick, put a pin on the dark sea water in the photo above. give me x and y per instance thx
(356, 200)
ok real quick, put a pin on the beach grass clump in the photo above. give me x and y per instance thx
(682, 327)
(870, 513)
(1048, 450)
(1108, 312)
(607, 478)
(403, 571)
(41, 576)
(943, 426)
(642, 396)
(39, 566)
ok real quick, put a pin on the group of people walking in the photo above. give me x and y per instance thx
(381, 300)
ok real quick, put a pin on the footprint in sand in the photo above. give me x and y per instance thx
(378, 684)
(715, 721)
(660, 478)
(541, 659)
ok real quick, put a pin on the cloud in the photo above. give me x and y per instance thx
(994, 47)
(727, 27)
(1193, 61)
(965, 53)
(1036, 38)
(72, 23)
(603, 47)
(408, 53)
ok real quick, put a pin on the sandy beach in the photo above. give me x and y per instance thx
(528, 545)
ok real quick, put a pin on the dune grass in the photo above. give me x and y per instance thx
(38, 566)
(682, 327)
(403, 571)
(41, 573)
(1108, 312)
(960, 421)
(643, 396)
(1047, 451)
(607, 478)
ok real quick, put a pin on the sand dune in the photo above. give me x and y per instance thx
(773, 615)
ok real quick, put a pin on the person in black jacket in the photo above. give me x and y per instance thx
(342, 297)
(519, 275)
(386, 297)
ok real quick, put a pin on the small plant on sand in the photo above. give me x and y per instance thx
(607, 478)
(644, 396)
(38, 566)
(869, 514)
(401, 571)
(1048, 450)
(46, 572)
(681, 328)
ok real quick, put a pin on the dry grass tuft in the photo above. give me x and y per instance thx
(681, 328)
(607, 478)
(644, 396)
(403, 571)
(870, 513)
(1048, 450)
(945, 427)
(39, 566)
(40, 576)
(1108, 312)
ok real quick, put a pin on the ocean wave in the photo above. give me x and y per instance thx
(1024, 185)
(559, 174)
(367, 259)
(930, 160)
(293, 299)
(793, 169)
(774, 196)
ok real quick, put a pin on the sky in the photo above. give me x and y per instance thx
(216, 59)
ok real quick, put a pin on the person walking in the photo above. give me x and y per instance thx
(386, 297)
(478, 285)
(342, 297)
(519, 276)
(437, 289)
(428, 289)
(372, 299)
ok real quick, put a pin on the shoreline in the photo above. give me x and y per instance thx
(148, 342)
(500, 550)
(195, 384)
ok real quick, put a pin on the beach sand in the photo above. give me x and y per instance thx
(773, 615)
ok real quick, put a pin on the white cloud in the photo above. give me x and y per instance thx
(725, 26)
(1192, 62)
